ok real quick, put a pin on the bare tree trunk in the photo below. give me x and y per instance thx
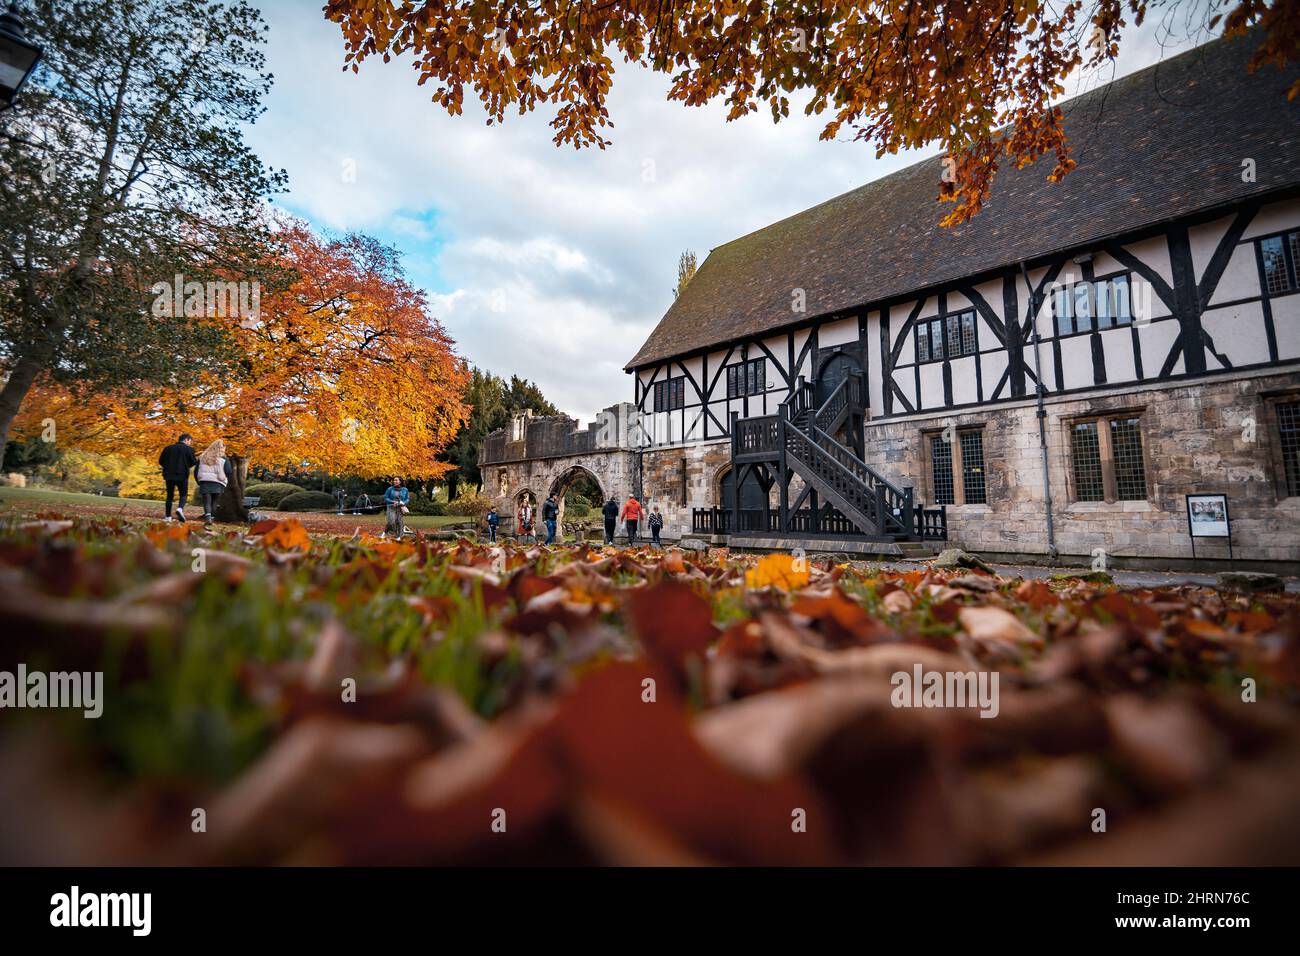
(12, 395)
(230, 506)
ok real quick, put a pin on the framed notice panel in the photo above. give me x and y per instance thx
(1207, 516)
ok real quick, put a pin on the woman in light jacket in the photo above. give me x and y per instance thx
(213, 472)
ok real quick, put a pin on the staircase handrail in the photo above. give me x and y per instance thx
(875, 509)
(874, 477)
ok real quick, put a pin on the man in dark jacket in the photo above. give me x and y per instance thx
(610, 511)
(550, 514)
(177, 461)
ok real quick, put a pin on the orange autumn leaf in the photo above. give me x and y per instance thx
(287, 535)
(674, 562)
(843, 617)
(778, 571)
(161, 534)
(1206, 629)
(1037, 595)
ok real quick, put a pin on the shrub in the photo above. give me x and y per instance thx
(469, 504)
(305, 501)
(273, 492)
(421, 505)
(576, 506)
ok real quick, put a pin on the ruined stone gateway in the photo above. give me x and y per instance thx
(536, 456)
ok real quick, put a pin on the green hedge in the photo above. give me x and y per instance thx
(306, 501)
(469, 504)
(273, 492)
(576, 506)
(420, 505)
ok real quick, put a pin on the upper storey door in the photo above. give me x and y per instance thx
(833, 371)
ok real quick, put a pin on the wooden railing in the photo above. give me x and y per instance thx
(721, 520)
(931, 524)
(888, 508)
(755, 436)
(710, 520)
(850, 393)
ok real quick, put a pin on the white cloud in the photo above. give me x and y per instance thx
(541, 261)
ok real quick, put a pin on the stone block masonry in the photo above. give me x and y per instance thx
(1203, 436)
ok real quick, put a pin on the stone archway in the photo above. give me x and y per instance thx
(567, 479)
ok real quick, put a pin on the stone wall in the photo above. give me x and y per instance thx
(663, 485)
(1197, 437)
(614, 471)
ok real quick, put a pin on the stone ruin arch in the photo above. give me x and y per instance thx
(567, 479)
(540, 455)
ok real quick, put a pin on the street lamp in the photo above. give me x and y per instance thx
(18, 56)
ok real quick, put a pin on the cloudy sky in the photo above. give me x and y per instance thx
(544, 261)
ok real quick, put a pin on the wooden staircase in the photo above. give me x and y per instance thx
(840, 492)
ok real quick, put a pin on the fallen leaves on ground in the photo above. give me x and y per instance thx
(351, 700)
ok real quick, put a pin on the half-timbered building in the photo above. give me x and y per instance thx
(1057, 374)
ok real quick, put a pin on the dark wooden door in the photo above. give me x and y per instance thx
(833, 371)
(752, 497)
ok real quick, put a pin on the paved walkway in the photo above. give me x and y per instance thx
(1132, 579)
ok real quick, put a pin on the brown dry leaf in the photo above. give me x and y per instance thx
(897, 602)
(884, 658)
(673, 623)
(994, 626)
(1009, 811)
(1166, 746)
(1037, 594)
(308, 775)
(974, 582)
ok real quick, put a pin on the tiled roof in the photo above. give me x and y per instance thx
(1160, 144)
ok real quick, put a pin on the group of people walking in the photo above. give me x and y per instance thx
(212, 470)
(630, 514)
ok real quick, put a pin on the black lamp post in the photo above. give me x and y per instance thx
(18, 56)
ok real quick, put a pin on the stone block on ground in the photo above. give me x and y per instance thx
(1250, 581)
(957, 558)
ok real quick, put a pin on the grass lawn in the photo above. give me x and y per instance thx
(30, 500)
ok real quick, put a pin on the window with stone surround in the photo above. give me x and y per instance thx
(1106, 458)
(1287, 415)
(957, 467)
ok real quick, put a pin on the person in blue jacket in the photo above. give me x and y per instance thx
(550, 515)
(396, 498)
(493, 519)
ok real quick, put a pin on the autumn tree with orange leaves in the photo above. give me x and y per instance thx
(979, 78)
(343, 369)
